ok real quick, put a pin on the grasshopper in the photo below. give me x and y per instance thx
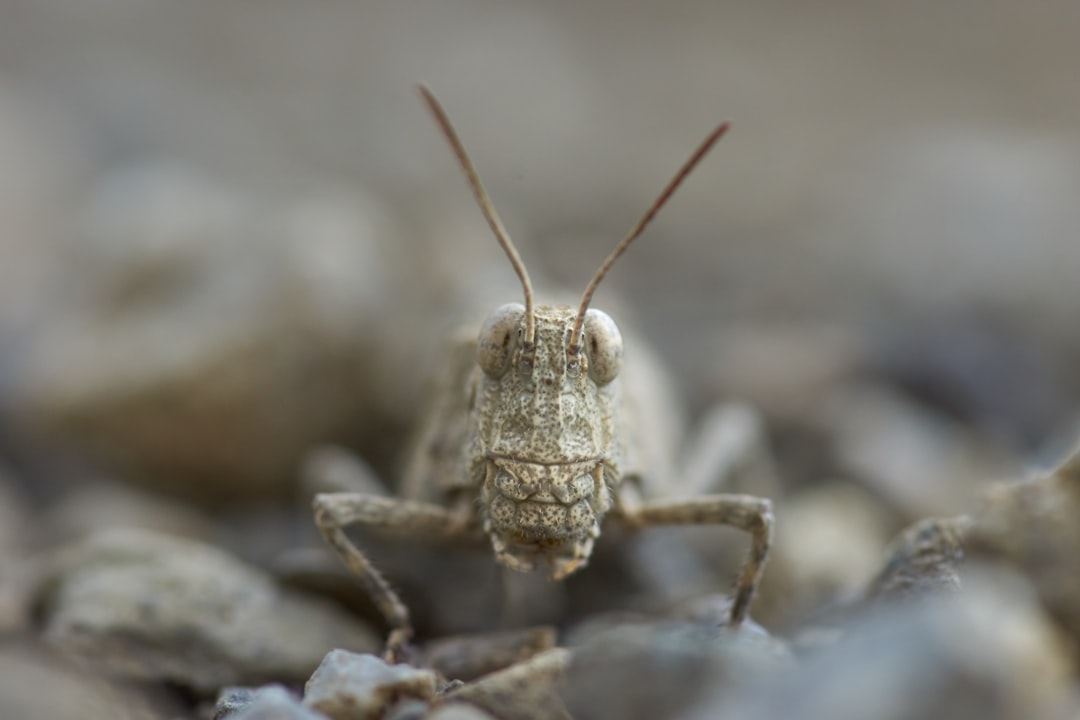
(532, 443)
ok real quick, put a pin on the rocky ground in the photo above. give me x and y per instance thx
(232, 247)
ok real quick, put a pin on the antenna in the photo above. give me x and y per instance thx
(688, 166)
(485, 206)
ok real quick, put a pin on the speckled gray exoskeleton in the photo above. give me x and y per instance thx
(533, 441)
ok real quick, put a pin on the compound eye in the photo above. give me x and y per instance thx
(603, 346)
(499, 335)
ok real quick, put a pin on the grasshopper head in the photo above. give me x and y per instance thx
(546, 417)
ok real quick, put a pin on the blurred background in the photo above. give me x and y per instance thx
(229, 231)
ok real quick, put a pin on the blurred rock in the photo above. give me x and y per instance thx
(408, 709)
(525, 691)
(919, 461)
(988, 653)
(231, 699)
(948, 216)
(1035, 525)
(783, 370)
(328, 469)
(43, 156)
(658, 670)
(458, 711)
(148, 606)
(92, 505)
(733, 454)
(921, 560)
(1006, 376)
(827, 543)
(271, 702)
(15, 576)
(14, 513)
(207, 339)
(35, 685)
(467, 657)
(351, 686)
(706, 613)
(16, 596)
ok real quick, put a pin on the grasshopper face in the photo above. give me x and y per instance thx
(545, 422)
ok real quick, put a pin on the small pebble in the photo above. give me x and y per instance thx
(352, 686)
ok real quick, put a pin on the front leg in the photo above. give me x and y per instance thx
(336, 511)
(746, 512)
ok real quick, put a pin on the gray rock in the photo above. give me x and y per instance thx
(149, 606)
(923, 463)
(41, 161)
(923, 559)
(987, 653)
(39, 685)
(1035, 526)
(351, 686)
(525, 691)
(468, 657)
(408, 709)
(786, 368)
(272, 702)
(643, 671)
(14, 514)
(208, 338)
(231, 699)
(15, 570)
(92, 505)
(458, 711)
(827, 545)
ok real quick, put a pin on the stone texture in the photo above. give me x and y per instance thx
(923, 559)
(272, 702)
(458, 711)
(525, 691)
(16, 530)
(828, 543)
(468, 657)
(642, 671)
(923, 463)
(91, 505)
(232, 699)
(39, 685)
(351, 686)
(149, 606)
(1035, 526)
(987, 653)
(209, 338)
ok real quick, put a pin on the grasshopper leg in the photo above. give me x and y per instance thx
(746, 512)
(336, 511)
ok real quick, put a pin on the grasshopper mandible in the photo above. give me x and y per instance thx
(530, 441)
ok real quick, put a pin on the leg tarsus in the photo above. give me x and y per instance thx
(761, 538)
(398, 648)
